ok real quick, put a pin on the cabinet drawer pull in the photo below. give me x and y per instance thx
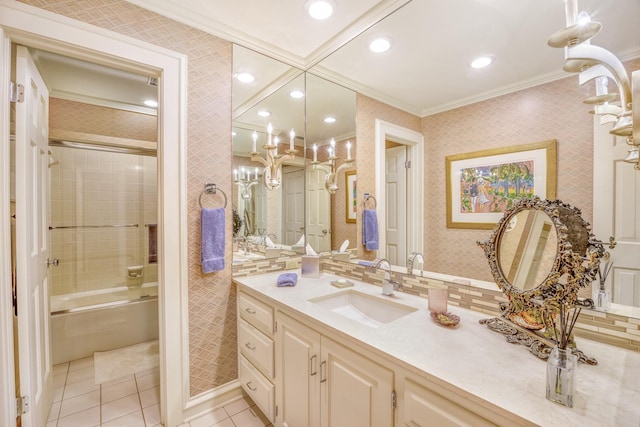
(250, 311)
(251, 386)
(250, 346)
(312, 365)
(323, 376)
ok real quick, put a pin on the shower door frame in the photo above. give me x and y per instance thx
(34, 27)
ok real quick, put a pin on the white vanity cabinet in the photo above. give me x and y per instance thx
(256, 352)
(419, 405)
(322, 383)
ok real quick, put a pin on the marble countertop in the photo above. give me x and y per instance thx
(476, 361)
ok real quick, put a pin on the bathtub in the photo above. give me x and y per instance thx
(85, 322)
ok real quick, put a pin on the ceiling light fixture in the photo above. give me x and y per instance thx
(264, 113)
(380, 44)
(320, 9)
(593, 62)
(245, 77)
(150, 103)
(482, 61)
(297, 94)
(329, 119)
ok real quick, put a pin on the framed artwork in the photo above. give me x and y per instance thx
(351, 204)
(482, 185)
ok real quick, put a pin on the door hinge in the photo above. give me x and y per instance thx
(16, 92)
(22, 405)
(394, 400)
(407, 164)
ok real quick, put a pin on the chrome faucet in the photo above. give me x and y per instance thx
(415, 256)
(388, 285)
(245, 243)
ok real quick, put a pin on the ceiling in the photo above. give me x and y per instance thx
(427, 70)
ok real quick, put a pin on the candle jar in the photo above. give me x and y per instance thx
(561, 376)
(437, 299)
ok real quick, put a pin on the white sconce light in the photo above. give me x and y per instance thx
(594, 62)
(273, 161)
(245, 180)
(329, 167)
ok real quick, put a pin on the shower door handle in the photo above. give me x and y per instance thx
(53, 262)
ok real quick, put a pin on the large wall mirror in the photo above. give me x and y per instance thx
(302, 208)
(268, 108)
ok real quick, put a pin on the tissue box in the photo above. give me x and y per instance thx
(272, 252)
(341, 256)
(310, 265)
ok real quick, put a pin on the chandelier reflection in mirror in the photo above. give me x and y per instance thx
(329, 167)
(273, 161)
(245, 180)
(595, 63)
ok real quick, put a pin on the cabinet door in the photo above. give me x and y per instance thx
(297, 374)
(355, 390)
(421, 407)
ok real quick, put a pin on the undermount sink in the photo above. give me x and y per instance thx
(364, 308)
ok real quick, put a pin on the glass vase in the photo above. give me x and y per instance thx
(561, 376)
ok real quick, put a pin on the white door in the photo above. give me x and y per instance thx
(396, 205)
(32, 185)
(616, 212)
(293, 206)
(318, 211)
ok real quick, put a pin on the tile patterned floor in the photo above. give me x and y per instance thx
(132, 401)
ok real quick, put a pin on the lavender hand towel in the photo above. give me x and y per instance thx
(370, 229)
(287, 279)
(212, 239)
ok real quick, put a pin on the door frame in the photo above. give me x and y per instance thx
(415, 209)
(34, 27)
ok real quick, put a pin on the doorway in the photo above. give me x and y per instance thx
(40, 29)
(414, 144)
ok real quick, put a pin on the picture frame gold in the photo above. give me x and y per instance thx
(482, 185)
(350, 196)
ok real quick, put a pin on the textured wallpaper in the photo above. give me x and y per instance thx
(212, 304)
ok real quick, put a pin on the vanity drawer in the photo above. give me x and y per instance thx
(255, 312)
(256, 346)
(259, 388)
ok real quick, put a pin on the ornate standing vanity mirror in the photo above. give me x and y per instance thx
(541, 253)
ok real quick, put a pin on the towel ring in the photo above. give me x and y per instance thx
(211, 189)
(367, 196)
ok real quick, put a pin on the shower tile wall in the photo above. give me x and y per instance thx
(93, 188)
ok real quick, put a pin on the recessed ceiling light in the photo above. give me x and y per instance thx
(150, 103)
(245, 77)
(330, 119)
(320, 9)
(264, 113)
(482, 61)
(296, 94)
(380, 44)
